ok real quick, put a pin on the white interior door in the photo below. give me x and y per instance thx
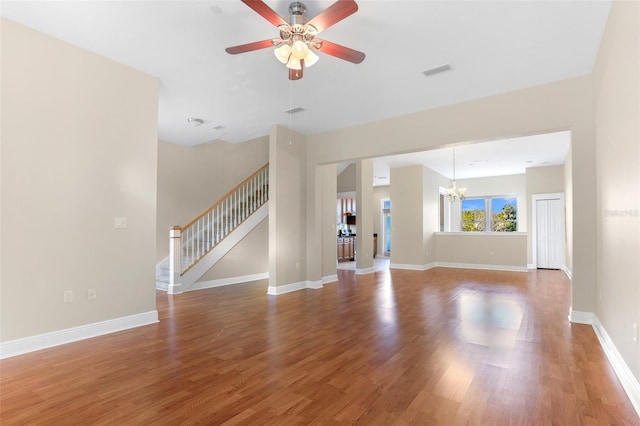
(549, 233)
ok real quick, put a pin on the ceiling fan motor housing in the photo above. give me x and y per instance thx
(297, 8)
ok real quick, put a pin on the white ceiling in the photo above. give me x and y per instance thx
(492, 46)
(496, 158)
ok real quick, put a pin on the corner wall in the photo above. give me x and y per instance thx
(79, 145)
(616, 86)
(287, 211)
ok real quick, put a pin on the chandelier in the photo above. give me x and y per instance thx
(454, 192)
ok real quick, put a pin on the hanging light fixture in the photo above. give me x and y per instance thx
(454, 192)
(296, 50)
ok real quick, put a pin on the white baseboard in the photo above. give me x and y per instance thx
(483, 267)
(566, 271)
(365, 271)
(314, 285)
(410, 267)
(580, 317)
(531, 266)
(288, 288)
(329, 279)
(627, 379)
(60, 337)
(201, 285)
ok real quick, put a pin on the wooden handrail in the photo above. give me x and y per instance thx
(225, 196)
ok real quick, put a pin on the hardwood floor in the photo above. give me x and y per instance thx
(443, 346)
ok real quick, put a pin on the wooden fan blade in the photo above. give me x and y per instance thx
(333, 14)
(341, 52)
(297, 74)
(256, 45)
(265, 11)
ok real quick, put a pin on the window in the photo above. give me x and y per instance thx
(490, 214)
(474, 215)
(504, 214)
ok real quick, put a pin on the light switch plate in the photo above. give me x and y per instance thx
(119, 222)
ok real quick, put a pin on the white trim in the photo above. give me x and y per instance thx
(201, 285)
(189, 278)
(174, 288)
(288, 288)
(492, 234)
(567, 271)
(530, 266)
(314, 285)
(411, 267)
(364, 271)
(161, 265)
(580, 317)
(628, 381)
(87, 331)
(507, 268)
(330, 279)
(534, 211)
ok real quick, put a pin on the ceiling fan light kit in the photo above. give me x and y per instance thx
(297, 42)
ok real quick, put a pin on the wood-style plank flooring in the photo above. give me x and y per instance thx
(443, 346)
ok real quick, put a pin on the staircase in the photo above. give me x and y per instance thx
(200, 244)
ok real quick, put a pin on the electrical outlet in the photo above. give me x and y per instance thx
(68, 296)
(120, 222)
(91, 294)
(635, 332)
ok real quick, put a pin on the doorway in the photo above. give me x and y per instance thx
(548, 231)
(386, 228)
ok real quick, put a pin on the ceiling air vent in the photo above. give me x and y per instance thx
(436, 70)
(294, 110)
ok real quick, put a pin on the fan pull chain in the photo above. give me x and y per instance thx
(290, 107)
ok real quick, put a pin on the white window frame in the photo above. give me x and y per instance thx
(488, 213)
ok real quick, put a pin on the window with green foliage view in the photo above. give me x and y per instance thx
(496, 214)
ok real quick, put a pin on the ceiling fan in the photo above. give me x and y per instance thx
(297, 41)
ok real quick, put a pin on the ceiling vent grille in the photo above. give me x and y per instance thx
(437, 70)
(294, 110)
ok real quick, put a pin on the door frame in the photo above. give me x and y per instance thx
(534, 233)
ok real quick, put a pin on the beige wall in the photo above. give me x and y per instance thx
(364, 227)
(79, 145)
(329, 231)
(562, 105)
(541, 180)
(617, 116)
(287, 209)
(415, 216)
(190, 179)
(406, 192)
(495, 250)
(568, 206)
(250, 256)
(347, 179)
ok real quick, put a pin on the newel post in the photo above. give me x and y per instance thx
(174, 259)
